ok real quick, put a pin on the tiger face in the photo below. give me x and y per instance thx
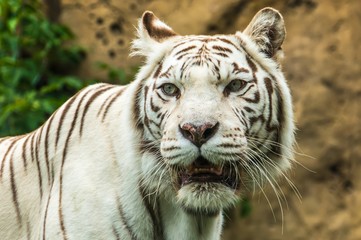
(217, 111)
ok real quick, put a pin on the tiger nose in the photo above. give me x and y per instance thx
(198, 135)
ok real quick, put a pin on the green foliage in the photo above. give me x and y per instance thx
(245, 207)
(118, 75)
(35, 66)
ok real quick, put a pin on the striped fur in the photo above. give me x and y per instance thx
(121, 162)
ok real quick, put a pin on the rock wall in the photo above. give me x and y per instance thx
(323, 68)
(106, 28)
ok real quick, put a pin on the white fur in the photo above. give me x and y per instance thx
(95, 183)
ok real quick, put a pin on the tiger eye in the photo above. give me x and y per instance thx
(236, 85)
(170, 89)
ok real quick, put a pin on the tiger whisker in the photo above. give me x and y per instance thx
(260, 185)
(272, 164)
(277, 190)
(267, 160)
(264, 143)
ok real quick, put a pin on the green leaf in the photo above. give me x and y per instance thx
(37, 66)
(245, 208)
(12, 24)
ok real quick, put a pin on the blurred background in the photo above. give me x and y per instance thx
(51, 48)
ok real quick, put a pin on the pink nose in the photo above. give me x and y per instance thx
(198, 135)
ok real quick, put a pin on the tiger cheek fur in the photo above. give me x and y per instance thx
(206, 119)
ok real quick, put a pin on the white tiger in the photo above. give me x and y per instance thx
(206, 118)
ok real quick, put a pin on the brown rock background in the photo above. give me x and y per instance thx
(322, 65)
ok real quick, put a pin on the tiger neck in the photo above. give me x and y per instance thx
(177, 224)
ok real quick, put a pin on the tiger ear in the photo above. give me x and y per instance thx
(267, 30)
(155, 28)
(151, 31)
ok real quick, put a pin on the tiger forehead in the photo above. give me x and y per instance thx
(204, 45)
(213, 54)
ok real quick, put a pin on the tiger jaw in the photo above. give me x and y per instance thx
(207, 189)
(201, 171)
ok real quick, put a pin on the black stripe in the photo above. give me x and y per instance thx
(46, 213)
(245, 91)
(153, 213)
(255, 99)
(171, 148)
(269, 88)
(136, 107)
(65, 151)
(164, 100)
(236, 112)
(3, 139)
(82, 99)
(89, 102)
(229, 145)
(221, 54)
(280, 116)
(115, 97)
(6, 154)
(243, 114)
(229, 42)
(251, 64)
(150, 147)
(154, 107)
(32, 154)
(124, 220)
(222, 49)
(63, 114)
(281, 120)
(253, 120)
(166, 73)
(248, 109)
(162, 118)
(40, 178)
(159, 69)
(46, 146)
(104, 104)
(184, 50)
(23, 154)
(183, 55)
(185, 65)
(60, 210)
(179, 44)
(145, 95)
(154, 123)
(237, 69)
(14, 190)
(146, 119)
(38, 162)
(115, 233)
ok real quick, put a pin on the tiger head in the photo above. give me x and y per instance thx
(215, 111)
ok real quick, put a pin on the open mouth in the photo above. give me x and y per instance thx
(202, 171)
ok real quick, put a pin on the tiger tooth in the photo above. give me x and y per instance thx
(190, 169)
(218, 171)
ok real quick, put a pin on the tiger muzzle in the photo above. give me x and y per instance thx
(202, 171)
(200, 134)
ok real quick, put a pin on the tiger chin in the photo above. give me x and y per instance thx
(206, 119)
(205, 189)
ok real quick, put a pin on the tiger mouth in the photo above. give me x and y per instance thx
(202, 171)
